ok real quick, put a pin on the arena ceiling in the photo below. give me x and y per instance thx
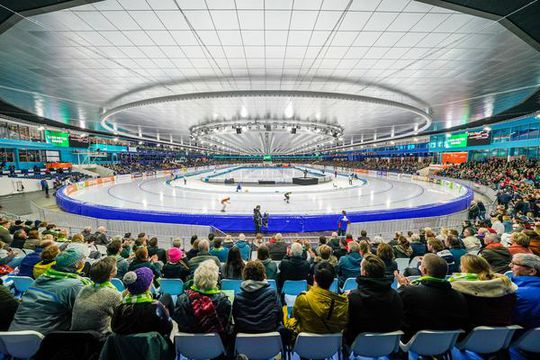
(378, 69)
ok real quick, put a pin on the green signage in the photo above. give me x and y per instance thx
(267, 158)
(57, 138)
(456, 141)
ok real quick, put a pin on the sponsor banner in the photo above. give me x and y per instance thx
(406, 176)
(454, 157)
(372, 172)
(71, 188)
(393, 175)
(58, 165)
(420, 178)
(123, 178)
(361, 171)
(381, 173)
(137, 175)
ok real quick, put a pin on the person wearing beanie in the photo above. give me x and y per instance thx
(95, 304)
(176, 267)
(139, 312)
(48, 304)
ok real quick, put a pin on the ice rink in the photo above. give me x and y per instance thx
(199, 197)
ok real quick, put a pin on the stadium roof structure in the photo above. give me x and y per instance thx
(377, 69)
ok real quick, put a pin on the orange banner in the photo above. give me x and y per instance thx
(454, 157)
(58, 165)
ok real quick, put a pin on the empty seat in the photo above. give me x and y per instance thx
(171, 286)
(198, 346)
(228, 284)
(402, 264)
(374, 345)
(350, 284)
(529, 341)
(118, 284)
(294, 287)
(272, 283)
(21, 284)
(21, 344)
(486, 340)
(430, 343)
(259, 346)
(334, 287)
(317, 346)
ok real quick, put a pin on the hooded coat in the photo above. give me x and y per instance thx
(373, 307)
(348, 266)
(497, 256)
(245, 249)
(490, 302)
(256, 309)
(319, 311)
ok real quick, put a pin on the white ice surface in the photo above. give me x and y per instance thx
(198, 197)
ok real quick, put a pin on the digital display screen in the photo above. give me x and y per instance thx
(480, 137)
(57, 138)
(78, 141)
(456, 141)
(267, 157)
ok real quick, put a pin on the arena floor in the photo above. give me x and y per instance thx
(199, 197)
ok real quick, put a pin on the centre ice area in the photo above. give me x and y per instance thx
(311, 208)
(251, 175)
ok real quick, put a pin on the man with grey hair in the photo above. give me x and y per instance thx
(202, 255)
(526, 275)
(293, 266)
(496, 254)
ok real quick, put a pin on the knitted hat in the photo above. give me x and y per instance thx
(175, 254)
(67, 259)
(138, 281)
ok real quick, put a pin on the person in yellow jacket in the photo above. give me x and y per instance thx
(320, 310)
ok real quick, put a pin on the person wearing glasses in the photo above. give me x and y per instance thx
(526, 275)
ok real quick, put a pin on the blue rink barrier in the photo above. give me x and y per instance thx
(276, 223)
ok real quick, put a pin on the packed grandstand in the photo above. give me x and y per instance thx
(485, 273)
(269, 179)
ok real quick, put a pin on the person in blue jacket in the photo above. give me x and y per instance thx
(526, 275)
(244, 247)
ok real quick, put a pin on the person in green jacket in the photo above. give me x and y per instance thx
(48, 304)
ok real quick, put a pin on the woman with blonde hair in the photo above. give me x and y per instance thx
(490, 296)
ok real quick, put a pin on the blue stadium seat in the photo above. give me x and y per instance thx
(430, 343)
(376, 345)
(228, 284)
(198, 346)
(317, 346)
(484, 340)
(529, 342)
(21, 344)
(118, 284)
(171, 286)
(259, 346)
(350, 284)
(21, 284)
